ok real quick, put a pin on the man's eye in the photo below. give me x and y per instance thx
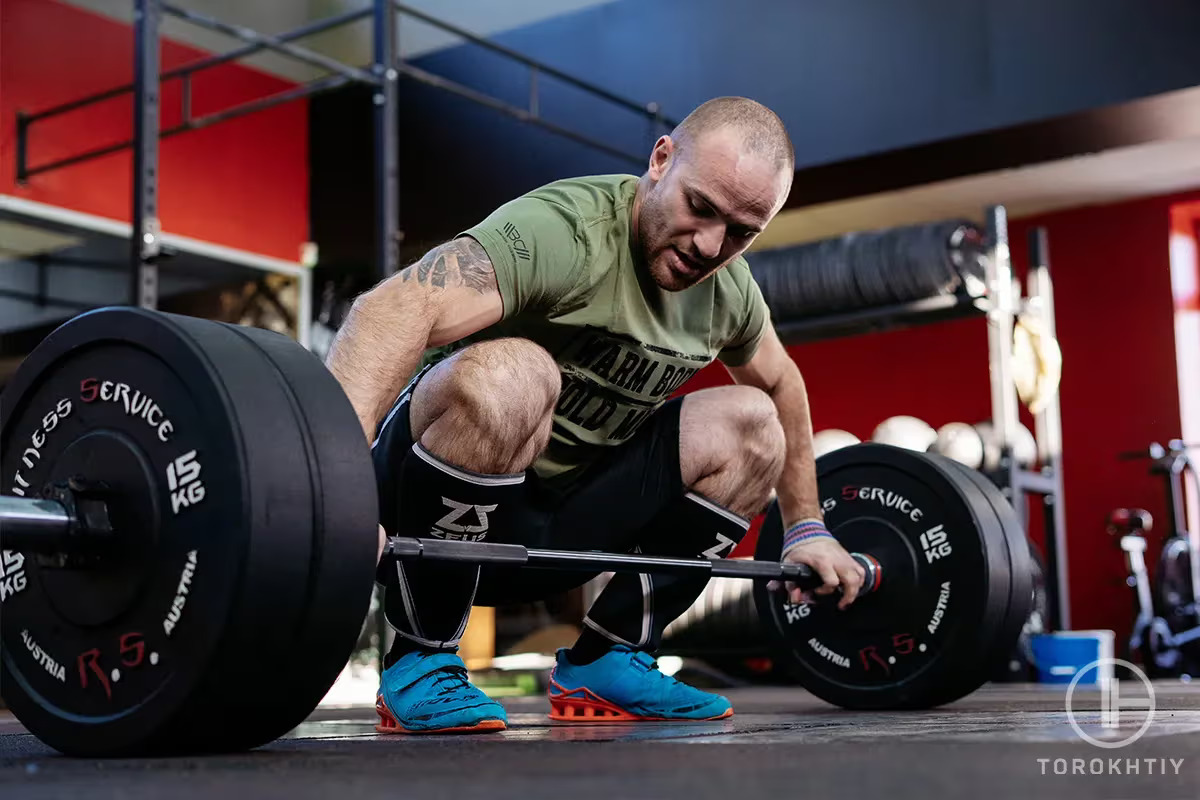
(699, 208)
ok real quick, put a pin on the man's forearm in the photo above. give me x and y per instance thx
(797, 485)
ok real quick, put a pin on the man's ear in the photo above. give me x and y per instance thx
(661, 156)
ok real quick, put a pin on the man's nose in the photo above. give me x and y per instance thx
(708, 240)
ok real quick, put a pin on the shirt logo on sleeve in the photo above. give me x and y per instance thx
(519, 248)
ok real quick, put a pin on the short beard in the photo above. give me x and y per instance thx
(650, 228)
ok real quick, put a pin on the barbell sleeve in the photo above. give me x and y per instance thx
(33, 525)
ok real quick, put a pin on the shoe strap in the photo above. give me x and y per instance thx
(644, 658)
(436, 661)
(650, 665)
(431, 663)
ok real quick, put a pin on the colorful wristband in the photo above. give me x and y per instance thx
(803, 531)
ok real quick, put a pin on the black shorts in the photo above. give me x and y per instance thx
(605, 509)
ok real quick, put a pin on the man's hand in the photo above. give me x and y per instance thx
(832, 562)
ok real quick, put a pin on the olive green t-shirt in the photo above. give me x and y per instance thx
(570, 281)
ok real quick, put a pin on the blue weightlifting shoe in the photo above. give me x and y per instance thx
(430, 693)
(625, 685)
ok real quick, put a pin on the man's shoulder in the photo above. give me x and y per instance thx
(561, 215)
(590, 198)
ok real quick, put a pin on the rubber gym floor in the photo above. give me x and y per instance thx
(1005, 740)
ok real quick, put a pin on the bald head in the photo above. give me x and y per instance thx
(759, 129)
(710, 188)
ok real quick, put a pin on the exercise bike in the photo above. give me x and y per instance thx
(1166, 631)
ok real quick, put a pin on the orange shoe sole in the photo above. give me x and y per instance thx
(584, 705)
(388, 724)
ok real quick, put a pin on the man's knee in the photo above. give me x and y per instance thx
(504, 384)
(747, 408)
(733, 446)
(761, 449)
(747, 427)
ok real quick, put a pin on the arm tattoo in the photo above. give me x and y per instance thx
(438, 278)
(462, 262)
(477, 269)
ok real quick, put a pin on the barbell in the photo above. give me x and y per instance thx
(189, 505)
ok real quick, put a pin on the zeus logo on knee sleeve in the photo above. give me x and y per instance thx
(448, 527)
(718, 550)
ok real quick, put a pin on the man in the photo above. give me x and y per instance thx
(545, 342)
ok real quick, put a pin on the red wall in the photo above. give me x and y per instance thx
(241, 183)
(1114, 309)
(1120, 390)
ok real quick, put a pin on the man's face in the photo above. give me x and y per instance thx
(705, 207)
